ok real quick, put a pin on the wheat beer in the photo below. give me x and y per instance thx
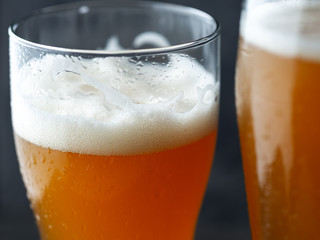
(277, 93)
(101, 159)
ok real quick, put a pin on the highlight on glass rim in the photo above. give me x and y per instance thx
(114, 116)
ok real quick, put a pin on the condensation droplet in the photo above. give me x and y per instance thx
(84, 9)
(139, 64)
(34, 159)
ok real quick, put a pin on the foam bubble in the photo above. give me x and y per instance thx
(113, 106)
(288, 28)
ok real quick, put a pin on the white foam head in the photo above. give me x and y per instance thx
(113, 106)
(289, 28)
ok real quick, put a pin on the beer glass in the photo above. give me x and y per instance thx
(278, 100)
(114, 111)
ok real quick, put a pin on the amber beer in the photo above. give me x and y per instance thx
(150, 196)
(277, 93)
(115, 117)
(98, 168)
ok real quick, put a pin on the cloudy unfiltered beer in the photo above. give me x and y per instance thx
(278, 99)
(151, 196)
(109, 152)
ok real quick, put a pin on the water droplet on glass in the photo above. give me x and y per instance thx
(34, 159)
(131, 60)
(139, 64)
(84, 9)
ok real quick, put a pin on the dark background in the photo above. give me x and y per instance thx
(224, 213)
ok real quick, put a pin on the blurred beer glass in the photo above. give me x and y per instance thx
(114, 110)
(278, 102)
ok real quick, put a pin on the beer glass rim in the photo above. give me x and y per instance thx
(175, 8)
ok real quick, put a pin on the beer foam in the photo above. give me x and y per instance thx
(114, 105)
(289, 28)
